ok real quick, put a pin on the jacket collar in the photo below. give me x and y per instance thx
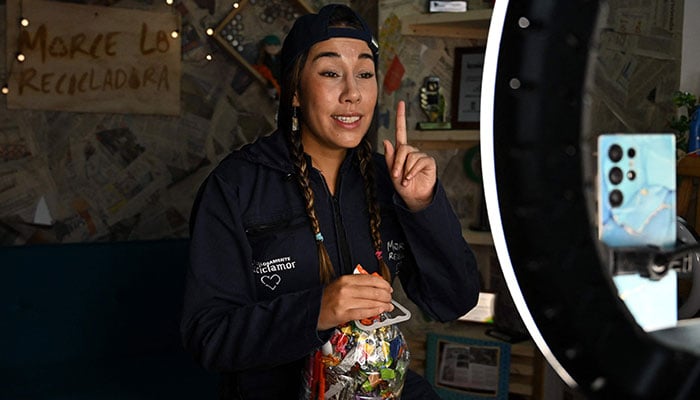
(271, 151)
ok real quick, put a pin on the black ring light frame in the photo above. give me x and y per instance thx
(536, 192)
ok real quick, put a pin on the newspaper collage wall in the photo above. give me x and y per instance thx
(415, 58)
(79, 176)
(637, 68)
(90, 176)
(634, 75)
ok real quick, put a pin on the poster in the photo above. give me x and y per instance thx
(92, 59)
(465, 368)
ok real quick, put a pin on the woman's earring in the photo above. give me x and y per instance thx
(295, 120)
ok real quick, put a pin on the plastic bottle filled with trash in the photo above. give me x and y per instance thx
(364, 360)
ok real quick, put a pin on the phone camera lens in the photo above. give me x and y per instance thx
(631, 175)
(615, 153)
(631, 153)
(615, 198)
(615, 175)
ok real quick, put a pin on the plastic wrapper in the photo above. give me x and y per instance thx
(358, 364)
(363, 360)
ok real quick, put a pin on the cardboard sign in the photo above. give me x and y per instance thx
(93, 59)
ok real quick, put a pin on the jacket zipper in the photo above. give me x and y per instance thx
(345, 266)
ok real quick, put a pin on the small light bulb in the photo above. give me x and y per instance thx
(5, 90)
(24, 22)
(209, 57)
(210, 31)
(174, 34)
(236, 5)
(169, 2)
(21, 57)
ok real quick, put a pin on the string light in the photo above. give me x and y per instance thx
(174, 34)
(236, 5)
(209, 57)
(210, 31)
(20, 57)
(169, 2)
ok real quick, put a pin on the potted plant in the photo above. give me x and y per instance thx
(685, 123)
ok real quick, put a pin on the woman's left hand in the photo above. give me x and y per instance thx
(413, 172)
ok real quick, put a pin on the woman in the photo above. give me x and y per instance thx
(279, 226)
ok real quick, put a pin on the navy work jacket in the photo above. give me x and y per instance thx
(253, 293)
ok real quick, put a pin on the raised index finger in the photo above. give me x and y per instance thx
(401, 137)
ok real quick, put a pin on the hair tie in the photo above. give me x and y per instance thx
(378, 254)
(319, 237)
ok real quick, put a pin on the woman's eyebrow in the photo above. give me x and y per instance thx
(326, 54)
(337, 55)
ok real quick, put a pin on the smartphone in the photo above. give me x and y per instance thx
(637, 189)
(637, 208)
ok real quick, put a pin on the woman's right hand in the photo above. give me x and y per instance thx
(352, 297)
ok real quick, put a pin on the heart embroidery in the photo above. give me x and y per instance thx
(271, 281)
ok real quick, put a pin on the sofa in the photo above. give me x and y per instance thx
(96, 321)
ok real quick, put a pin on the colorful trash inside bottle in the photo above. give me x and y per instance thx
(363, 360)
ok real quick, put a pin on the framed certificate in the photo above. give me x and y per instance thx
(466, 87)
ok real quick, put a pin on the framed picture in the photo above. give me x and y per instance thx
(461, 368)
(466, 87)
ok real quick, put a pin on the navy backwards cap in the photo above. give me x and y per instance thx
(310, 29)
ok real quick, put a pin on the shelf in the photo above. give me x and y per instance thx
(447, 135)
(479, 238)
(472, 24)
(444, 140)
(688, 166)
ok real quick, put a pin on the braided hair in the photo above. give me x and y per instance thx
(364, 155)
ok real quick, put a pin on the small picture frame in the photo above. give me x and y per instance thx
(466, 87)
(461, 368)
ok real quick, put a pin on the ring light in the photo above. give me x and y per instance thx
(536, 192)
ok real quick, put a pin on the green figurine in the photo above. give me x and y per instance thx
(432, 102)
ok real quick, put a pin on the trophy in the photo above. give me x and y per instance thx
(432, 102)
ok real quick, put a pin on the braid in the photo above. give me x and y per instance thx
(326, 271)
(367, 168)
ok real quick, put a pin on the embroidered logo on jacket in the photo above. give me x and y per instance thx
(271, 281)
(396, 251)
(271, 270)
